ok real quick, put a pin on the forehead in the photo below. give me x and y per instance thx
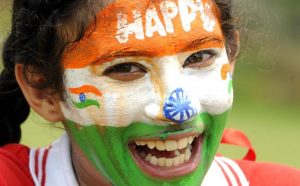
(147, 28)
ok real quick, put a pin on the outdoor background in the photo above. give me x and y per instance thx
(266, 82)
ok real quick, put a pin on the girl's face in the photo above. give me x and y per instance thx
(148, 91)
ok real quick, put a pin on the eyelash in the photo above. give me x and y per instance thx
(118, 68)
(204, 61)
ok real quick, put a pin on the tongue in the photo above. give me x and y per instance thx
(157, 153)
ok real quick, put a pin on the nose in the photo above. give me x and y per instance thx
(172, 103)
(178, 107)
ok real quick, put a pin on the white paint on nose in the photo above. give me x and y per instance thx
(152, 110)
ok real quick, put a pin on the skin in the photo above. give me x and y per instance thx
(100, 131)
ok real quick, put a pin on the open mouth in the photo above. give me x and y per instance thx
(176, 156)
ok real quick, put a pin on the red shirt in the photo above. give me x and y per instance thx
(14, 166)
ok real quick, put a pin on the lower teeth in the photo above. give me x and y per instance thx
(179, 158)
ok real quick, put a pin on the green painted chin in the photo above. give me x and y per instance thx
(107, 148)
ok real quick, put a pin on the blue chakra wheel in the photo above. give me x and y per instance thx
(82, 97)
(177, 107)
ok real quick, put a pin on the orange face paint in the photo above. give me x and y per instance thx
(146, 28)
(85, 89)
(224, 71)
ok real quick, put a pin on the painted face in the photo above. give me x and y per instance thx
(148, 91)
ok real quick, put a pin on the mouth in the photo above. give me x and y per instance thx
(176, 156)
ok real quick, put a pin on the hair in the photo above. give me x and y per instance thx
(41, 30)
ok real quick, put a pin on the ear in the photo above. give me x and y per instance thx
(234, 49)
(234, 46)
(44, 104)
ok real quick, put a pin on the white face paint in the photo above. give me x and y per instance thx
(187, 11)
(143, 99)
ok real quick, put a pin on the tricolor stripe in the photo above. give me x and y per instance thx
(81, 91)
(86, 103)
(86, 89)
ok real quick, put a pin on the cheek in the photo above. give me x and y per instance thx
(119, 104)
(211, 90)
(124, 103)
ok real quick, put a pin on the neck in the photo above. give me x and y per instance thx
(86, 173)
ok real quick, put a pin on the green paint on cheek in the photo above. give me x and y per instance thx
(110, 154)
(86, 103)
(230, 86)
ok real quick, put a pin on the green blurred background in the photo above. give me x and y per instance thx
(266, 81)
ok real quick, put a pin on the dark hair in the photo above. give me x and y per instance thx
(41, 29)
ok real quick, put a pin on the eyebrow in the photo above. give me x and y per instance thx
(195, 44)
(199, 42)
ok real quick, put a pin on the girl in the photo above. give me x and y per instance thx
(143, 89)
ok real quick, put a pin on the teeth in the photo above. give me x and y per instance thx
(148, 157)
(187, 154)
(161, 162)
(182, 143)
(160, 145)
(169, 162)
(176, 161)
(151, 144)
(153, 160)
(177, 153)
(169, 145)
(181, 158)
(191, 139)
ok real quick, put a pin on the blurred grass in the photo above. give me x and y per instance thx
(266, 81)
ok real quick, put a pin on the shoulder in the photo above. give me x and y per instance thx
(14, 165)
(269, 174)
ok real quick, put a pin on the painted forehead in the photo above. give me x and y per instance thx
(147, 28)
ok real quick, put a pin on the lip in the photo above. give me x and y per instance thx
(174, 171)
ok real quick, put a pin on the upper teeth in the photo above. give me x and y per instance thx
(168, 145)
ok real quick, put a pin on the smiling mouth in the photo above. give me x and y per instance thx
(176, 156)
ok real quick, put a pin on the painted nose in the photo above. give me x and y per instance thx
(178, 107)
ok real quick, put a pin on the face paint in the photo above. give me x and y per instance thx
(137, 28)
(177, 107)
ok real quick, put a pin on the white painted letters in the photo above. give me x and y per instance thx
(186, 9)
(208, 19)
(124, 29)
(169, 11)
(153, 23)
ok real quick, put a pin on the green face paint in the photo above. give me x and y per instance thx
(87, 103)
(107, 148)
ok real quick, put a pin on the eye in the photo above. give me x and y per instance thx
(200, 59)
(125, 71)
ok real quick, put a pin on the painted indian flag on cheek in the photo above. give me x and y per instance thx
(83, 101)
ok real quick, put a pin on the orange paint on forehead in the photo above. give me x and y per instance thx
(147, 28)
